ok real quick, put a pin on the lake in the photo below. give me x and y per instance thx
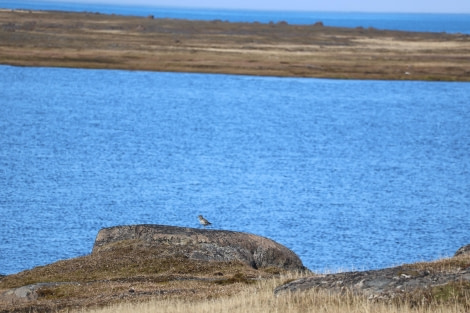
(348, 174)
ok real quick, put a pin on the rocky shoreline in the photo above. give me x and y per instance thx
(140, 262)
(91, 40)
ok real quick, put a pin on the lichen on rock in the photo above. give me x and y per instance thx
(200, 244)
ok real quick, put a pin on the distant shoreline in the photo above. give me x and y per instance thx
(94, 40)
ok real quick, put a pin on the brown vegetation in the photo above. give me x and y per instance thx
(258, 298)
(89, 40)
(141, 280)
(127, 274)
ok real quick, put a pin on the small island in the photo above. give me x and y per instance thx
(93, 40)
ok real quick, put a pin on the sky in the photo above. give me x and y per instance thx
(411, 6)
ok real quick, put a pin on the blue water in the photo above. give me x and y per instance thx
(451, 23)
(348, 174)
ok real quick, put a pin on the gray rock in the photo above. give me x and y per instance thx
(463, 251)
(384, 283)
(200, 244)
(25, 293)
(381, 284)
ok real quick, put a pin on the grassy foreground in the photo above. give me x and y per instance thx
(90, 40)
(259, 298)
(131, 279)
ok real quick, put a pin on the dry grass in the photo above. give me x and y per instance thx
(260, 298)
(109, 41)
(445, 265)
(133, 279)
(128, 273)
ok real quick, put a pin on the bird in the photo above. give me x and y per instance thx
(203, 221)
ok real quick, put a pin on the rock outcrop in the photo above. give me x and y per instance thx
(465, 250)
(200, 244)
(26, 293)
(385, 283)
(141, 261)
(389, 283)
